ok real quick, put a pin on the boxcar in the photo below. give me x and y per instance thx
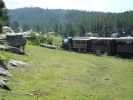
(103, 45)
(125, 45)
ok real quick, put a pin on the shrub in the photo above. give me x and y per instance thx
(49, 39)
(37, 39)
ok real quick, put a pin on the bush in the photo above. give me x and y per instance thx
(3, 60)
(49, 39)
(37, 39)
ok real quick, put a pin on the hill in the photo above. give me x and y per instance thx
(72, 22)
(56, 75)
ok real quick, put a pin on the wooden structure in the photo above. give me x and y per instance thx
(103, 45)
(81, 44)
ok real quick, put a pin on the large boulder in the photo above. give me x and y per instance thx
(16, 40)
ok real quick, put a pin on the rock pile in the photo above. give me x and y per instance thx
(4, 74)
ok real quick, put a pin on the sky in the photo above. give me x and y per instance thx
(88, 5)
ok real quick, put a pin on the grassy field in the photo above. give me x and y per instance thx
(61, 75)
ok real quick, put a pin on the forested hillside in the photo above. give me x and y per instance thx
(72, 22)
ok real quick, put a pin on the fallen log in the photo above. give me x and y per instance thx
(49, 46)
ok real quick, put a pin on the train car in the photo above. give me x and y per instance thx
(111, 46)
(103, 45)
(125, 45)
(81, 44)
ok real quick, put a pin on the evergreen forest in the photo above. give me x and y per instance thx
(72, 22)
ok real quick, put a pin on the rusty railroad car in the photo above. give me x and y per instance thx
(103, 45)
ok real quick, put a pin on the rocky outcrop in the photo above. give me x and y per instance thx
(4, 74)
(16, 40)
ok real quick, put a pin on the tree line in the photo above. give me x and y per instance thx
(72, 22)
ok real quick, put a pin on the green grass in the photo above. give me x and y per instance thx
(61, 75)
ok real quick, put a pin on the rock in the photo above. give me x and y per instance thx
(16, 63)
(16, 50)
(49, 46)
(3, 66)
(16, 39)
(30, 94)
(5, 80)
(33, 91)
(13, 64)
(4, 72)
(4, 85)
(105, 54)
(2, 39)
(7, 29)
(12, 49)
(2, 47)
(106, 79)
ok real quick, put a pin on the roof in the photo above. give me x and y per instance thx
(103, 38)
(83, 38)
(124, 38)
(80, 39)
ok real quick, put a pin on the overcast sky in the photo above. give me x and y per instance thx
(89, 5)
